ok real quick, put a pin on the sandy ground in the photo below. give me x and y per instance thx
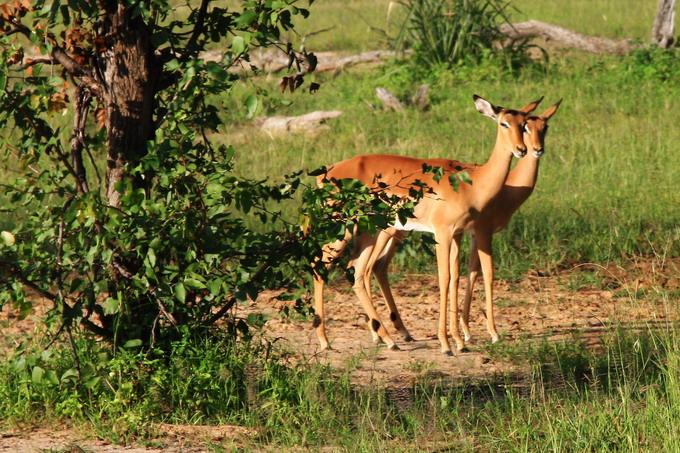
(540, 306)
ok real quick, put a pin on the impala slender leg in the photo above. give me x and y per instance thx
(455, 277)
(484, 247)
(329, 253)
(473, 271)
(379, 246)
(365, 246)
(319, 322)
(443, 249)
(380, 268)
(367, 284)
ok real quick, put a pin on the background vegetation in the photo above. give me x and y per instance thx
(607, 191)
(610, 150)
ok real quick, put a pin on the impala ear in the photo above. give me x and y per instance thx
(551, 110)
(531, 107)
(485, 107)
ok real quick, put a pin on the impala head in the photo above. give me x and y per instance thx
(536, 129)
(510, 123)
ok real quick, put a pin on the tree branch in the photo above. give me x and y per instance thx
(26, 282)
(199, 28)
(58, 55)
(125, 272)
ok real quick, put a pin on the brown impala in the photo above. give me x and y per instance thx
(444, 211)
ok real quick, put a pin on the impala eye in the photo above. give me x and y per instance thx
(505, 125)
(526, 129)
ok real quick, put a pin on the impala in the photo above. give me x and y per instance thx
(517, 188)
(444, 211)
(494, 217)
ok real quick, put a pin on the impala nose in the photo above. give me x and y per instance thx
(538, 151)
(521, 151)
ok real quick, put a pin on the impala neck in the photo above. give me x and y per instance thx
(489, 179)
(525, 172)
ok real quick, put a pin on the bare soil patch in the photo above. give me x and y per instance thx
(588, 299)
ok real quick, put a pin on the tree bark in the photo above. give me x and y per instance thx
(664, 24)
(128, 78)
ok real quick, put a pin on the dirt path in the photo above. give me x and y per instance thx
(551, 307)
(589, 300)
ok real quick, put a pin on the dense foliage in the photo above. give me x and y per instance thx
(134, 229)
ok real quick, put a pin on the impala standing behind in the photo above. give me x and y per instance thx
(444, 211)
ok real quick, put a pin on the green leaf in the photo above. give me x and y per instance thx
(20, 364)
(180, 292)
(257, 320)
(238, 45)
(246, 18)
(215, 286)
(453, 179)
(252, 103)
(465, 177)
(37, 374)
(92, 382)
(51, 377)
(111, 306)
(130, 344)
(216, 71)
(69, 374)
(88, 370)
(193, 283)
(151, 256)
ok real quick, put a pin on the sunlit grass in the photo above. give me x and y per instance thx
(349, 26)
(606, 187)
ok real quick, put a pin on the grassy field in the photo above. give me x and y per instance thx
(607, 192)
(359, 19)
(607, 184)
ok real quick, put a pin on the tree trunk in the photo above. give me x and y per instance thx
(126, 66)
(664, 24)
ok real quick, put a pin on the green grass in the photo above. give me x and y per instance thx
(359, 18)
(620, 396)
(607, 183)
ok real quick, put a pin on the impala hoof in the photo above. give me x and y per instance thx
(408, 338)
(448, 354)
(394, 348)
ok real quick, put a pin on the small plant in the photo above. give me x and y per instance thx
(455, 33)
(654, 63)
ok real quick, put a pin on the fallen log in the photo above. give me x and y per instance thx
(308, 123)
(566, 37)
(274, 60)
